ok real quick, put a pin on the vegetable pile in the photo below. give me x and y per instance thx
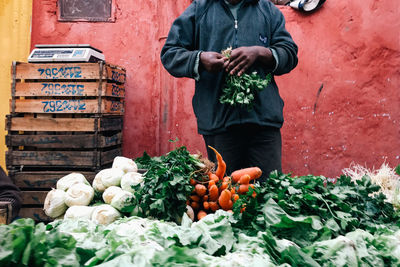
(286, 221)
(241, 90)
(166, 184)
(110, 196)
(310, 208)
(220, 191)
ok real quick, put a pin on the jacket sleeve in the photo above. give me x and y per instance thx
(283, 43)
(9, 192)
(178, 54)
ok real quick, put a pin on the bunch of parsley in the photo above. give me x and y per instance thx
(166, 184)
(241, 90)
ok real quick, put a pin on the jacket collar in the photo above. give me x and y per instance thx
(247, 1)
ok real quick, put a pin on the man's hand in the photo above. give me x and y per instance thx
(212, 61)
(243, 57)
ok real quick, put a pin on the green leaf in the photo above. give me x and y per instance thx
(241, 90)
(175, 256)
(272, 212)
(167, 183)
(336, 252)
(294, 256)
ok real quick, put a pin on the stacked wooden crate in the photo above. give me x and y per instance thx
(65, 117)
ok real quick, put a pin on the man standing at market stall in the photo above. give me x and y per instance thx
(255, 29)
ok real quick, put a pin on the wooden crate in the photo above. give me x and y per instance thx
(37, 143)
(57, 105)
(67, 88)
(64, 117)
(59, 123)
(69, 71)
(35, 185)
(67, 141)
(51, 160)
(35, 172)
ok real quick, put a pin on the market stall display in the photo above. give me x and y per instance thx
(286, 221)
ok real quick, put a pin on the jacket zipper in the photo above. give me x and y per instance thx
(236, 31)
(235, 21)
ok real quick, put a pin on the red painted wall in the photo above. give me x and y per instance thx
(350, 48)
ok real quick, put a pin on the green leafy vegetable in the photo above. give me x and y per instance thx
(175, 256)
(214, 241)
(292, 221)
(241, 90)
(27, 244)
(306, 209)
(166, 184)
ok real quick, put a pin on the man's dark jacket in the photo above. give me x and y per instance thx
(208, 25)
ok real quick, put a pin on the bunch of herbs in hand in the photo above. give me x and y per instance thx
(241, 90)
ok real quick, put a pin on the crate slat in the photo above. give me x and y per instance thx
(107, 157)
(52, 124)
(51, 106)
(57, 71)
(110, 123)
(72, 89)
(111, 140)
(68, 71)
(50, 158)
(35, 213)
(43, 179)
(49, 124)
(81, 141)
(65, 159)
(33, 197)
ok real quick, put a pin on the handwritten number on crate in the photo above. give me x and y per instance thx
(118, 76)
(116, 106)
(63, 89)
(63, 105)
(61, 72)
(116, 90)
